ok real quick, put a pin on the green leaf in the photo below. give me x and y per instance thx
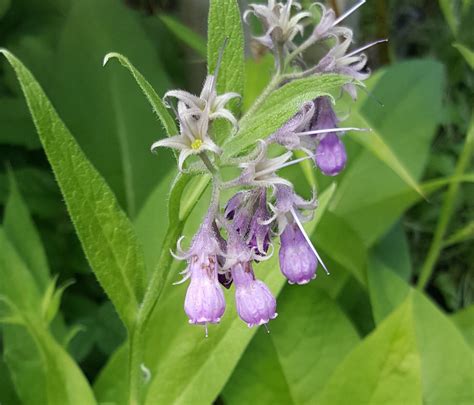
(464, 320)
(374, 143)
(467, 53)
(225, 23)
(188, 36)
(157, 104)
(49, 369)
(52, 300)
(103, 108)
(22, 233)
(446, 359)
(41, 369)
(257, 75)
(104, 230)
(382, 363)
(280, 106)
(447, 7)
(292, 364)
(349, 251)
(369, 195)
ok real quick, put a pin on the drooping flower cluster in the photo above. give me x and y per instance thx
(265, 207)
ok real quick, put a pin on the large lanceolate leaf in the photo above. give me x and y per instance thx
(104, 109)
(225, 25)
(22, 233)
(104, 230)
(279, 107)
(367, 193)
(464, 320)
(41, 369)
(447, 373)
(186, 367)
(375, 371)
(292, 364)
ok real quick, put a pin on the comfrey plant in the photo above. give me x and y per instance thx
(265, 207)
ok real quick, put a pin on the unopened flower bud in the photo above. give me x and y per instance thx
(331, 155)
(297, 260)
(255, 303)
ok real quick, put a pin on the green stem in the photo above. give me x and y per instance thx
(262, 97)
(154, 290)
(446, 211)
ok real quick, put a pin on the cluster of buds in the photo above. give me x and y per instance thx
(265, 208)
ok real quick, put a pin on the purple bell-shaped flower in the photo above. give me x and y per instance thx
(255, 303)
(331, 156)
(204, 302)
(298, 263)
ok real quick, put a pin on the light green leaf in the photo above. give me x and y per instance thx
(464, 320)
(22, 233)
(348, 251)
(447, 7)
(280, 106)
(225, 23)
(382, 363)
(41, 369)
(292, 364)
(368, 189)
(18, 285)
(188, 36)
(257, 75)
(103, 108)
(104, 230)
(467, 53)
(447, 362)
(446, 359)
(374, 143)
(154, 99)
(52, 299)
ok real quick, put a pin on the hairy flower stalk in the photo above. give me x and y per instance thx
(238, 234)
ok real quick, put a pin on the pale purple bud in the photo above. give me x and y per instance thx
(259, 231)
(331, 155)
(298, 263)
(255, 303)
(204, 302)
(324, 116)
(239, 209)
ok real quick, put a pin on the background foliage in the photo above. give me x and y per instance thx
(392, 324)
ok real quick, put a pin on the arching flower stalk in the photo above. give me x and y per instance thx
(265, 209)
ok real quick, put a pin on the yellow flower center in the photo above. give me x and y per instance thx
(197, 143)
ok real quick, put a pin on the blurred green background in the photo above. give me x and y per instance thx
(375, 228)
